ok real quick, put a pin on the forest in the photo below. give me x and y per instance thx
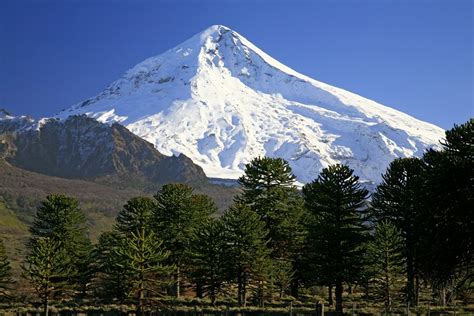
(278, 248)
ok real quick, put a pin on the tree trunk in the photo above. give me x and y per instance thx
(417, 290)
(388, 299)
(244, 290)
(199, 293)
(178, 280)
(46, 305)
(330, 299)
(339, 296)
(141, 296)
(239, 290)
(442, 294)
(295, 288)
(260, 293)
(410, 289)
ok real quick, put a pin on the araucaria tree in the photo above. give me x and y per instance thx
(5, 272)
(143, 257)
(246, 239)
(210, 259)
(134, 260)
(336, 231)
(268, 189)
(60, 220)
(387, 265)
(177, 216)
(447, 256)
(398, 200)
(47, 267)
(111, 277)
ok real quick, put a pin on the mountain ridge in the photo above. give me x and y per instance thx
(80, 147)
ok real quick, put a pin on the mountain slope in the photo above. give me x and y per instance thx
(221, 101)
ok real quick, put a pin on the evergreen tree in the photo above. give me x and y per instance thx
(336, 233)
(60, 219)
(111, 277)
(177, 217)
(47, 267)
(130, 259)
(248, 253)
(141, 254)
(387, 262)
(282, 275)
(398, 199)
(447, 259)
(268, 188)
(135, 215)
(5, 272)
(210, 259)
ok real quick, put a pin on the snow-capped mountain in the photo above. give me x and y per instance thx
(221, 101)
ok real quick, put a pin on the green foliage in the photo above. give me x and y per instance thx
(268, 188)
(387, 263)
(248, 254)
(397, 199)
(47, 267)
(141, 254)
(5, 273)
(130, 259)
(135, 215)
(210, 259)
(111, 278)
(336, 232)
(447, 220)
(282, 274)
(60, 219)
(177, 217)
(259, 247)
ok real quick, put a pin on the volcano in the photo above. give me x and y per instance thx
(221, 101)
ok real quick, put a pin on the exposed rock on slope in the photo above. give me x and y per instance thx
(81, 147)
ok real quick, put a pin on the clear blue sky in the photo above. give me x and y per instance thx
(415, 56)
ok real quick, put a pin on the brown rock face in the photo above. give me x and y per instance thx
(80, 147)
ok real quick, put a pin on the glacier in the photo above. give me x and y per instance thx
(222, 101)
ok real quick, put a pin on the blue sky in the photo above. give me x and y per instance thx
(415, 56)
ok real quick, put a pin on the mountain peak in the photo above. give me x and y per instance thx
(216, 28)
(220, 100)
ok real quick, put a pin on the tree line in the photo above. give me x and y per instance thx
(275, 240)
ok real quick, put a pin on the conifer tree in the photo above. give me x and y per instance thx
(177, 217)
(210, 259)
(111, 277)
(248, 253)
(447, 259)
(47, 267)
(282, 275)
(135, 215)
(398, 199)
(130, 259)
(336, 233)
(268, 188)
(60, 219)
(5, 272)
(387, 262)
(141, 254)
